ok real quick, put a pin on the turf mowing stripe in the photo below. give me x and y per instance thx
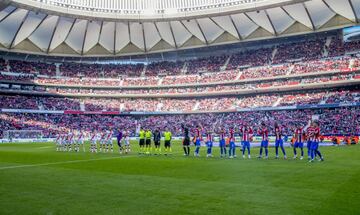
(62, 162)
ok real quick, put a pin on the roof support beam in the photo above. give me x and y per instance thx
(17, 31)
(157, 29)
(72, 26)
(172, 34)
(101, 27)
(143, 34)
(237, 31)
(52, 35)
(115, 27)
(353, 10)
(86, 29)
(202, 33)
(307, 12)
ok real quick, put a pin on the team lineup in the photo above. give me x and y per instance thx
(101, 141)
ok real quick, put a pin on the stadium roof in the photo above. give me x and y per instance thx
(127, 27)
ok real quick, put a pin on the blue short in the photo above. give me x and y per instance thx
(222, 143)
(265, 143)
(232, 144)
(278, 143)
(246, 144)
(209, 144)
(198, 143)
(314, 145)
(299, 145)
(308, 144)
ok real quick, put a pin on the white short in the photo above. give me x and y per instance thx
(126, 142)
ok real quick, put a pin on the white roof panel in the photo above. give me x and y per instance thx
(210, 29)
(165, 32)
(122, 36)
(180, 33)
(226, 23)
(10, 26)
(342, 7)
(298, 12)
(107, 36)
(152, 36)
(42, 35)
(136, 35)
(193, 28)
(92, 35)
(319, 12)
(243, 24)
(280, 19)
(262, 20)
(30, 24)
(76, 36)
(62, 29)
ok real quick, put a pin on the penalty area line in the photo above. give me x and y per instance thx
(61, 162)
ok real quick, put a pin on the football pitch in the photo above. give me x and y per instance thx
(35, 179)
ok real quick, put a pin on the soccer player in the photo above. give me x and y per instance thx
(246, 134)
(167, 137)
(119, 136)
(197, 137)
(102, 141)
(127, 141)
(148, 135)
(186, 140)
(232, 143)
(141, 140)
(314, 135)
(93, 141)
(80, 141)
(264, 132)
(299, 141)
(157, 138)
(222, 143)
(58, 142)
(279, 141)
(63, 142)
(70, 140)
(109, 142)
(209, 143)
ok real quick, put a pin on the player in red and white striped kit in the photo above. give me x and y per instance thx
(313, 133)
(93, 141)
(102, 141)
(246, 135)
(264, 132)
(70, 141)
(80, 141)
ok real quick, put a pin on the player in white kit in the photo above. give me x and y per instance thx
(109, 142)
(126, 139)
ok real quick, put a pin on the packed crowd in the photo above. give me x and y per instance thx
(332, 121)
(306, 50)
(173, 105)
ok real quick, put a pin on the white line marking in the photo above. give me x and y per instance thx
(45, 147)
(62, 162)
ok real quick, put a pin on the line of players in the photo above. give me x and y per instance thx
(309, 134)
(101, 141)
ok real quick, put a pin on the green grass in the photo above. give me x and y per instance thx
(131, 184)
